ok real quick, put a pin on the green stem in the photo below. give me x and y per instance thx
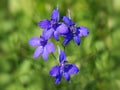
(54, 56)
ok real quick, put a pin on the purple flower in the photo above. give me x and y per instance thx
(50, 26)
(43, 47)
(63, 69)
(74, 32)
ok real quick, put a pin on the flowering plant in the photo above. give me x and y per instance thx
(54, 28)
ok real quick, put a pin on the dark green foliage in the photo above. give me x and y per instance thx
(98, 56)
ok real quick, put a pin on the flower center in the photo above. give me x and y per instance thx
(54, 24)
(43, 43)
(73, 29)
(62, 68)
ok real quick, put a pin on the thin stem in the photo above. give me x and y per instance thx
(69, 15)
(54, 56)
(57, 6)
(64, 48)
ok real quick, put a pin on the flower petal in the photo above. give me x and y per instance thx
(34, 41)
(67, 39)
(44, 24)
(62, 29)
(44, 31)
(71, 69)
(58, 78)
(67, 20)
(49, 33)
(66, 76)
(38, 52)
(50, 47)
(83, 31)
(55, 15)
(56, 35)
(62, 56)
(77, 39)
(54, 71)
(45, 54)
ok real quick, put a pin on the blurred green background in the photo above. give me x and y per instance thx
(98, 56)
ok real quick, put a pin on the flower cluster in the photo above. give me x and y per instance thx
(54, 28)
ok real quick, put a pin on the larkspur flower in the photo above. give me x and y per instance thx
(64, 69)
(50, 26)
(75, 32)
(43, 47)
(54, 28)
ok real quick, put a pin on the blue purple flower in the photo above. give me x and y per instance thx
(43, 47)
(75, 32)
(54, 28)
(50, 26)
(64, 69)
